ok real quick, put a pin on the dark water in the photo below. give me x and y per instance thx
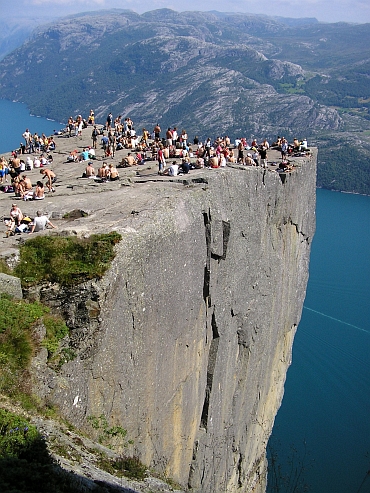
(327, 392)
(15, 118)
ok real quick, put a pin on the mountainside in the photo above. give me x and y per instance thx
(211, 73)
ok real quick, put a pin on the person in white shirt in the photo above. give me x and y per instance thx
(40, 222)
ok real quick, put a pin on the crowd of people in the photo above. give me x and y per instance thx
(172, 149)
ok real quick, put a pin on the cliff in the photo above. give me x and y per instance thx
(185, 342)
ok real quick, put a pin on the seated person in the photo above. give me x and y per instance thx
(199, 163)
(130, 160)
(284, 166)
(29, 163)
(16, 214)
(84, 156)
(40, 223)
(89, 171)
(25, 186)
(39, 193)
(249, 161)
(73, 156)
(185, 167)
(91, 152)
(103, 172)
(112, 173)
(172, 170)
(213, 162)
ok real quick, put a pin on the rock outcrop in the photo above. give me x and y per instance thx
(192, 326)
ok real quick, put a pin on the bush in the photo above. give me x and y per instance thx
(65, 260)
(17, 342)
(16, 435)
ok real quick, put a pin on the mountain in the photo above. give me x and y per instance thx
(211, 73)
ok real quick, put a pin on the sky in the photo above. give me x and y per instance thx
(354, 11)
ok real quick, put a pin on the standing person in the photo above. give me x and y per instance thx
(169, 136)
(184, 138)
(91, 119)
(40, 222)
(51, 176)
(157, 132)
(240, 153)
(263, 153)
(70, 126)
(109, 121)
(174, 136)
(161, 161)
(27, 137)
(284, 148)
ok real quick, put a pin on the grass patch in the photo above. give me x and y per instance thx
(18, 342)
(4, 268)
(129, 467)
(65, 260)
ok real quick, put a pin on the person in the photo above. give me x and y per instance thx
(39, 193)
(16, 214)
(91, 118)
(112, 173)
(130, 160)
(169, 136)
(263, 153)
(84, 156)
(27, 137)
(184, 138)
(109, 121)
(40, 223)
(284, 148)
(185, 167)
(157, 132)
(25, 187)
(161, 161)
(51, 178)
(94, 136)
(103, 172)
(173, 169)
(89, 171)
(174, 136)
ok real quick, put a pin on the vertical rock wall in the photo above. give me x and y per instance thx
(196, 322)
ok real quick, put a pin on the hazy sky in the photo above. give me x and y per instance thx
(324, 10)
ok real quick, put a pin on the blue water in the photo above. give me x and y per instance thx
(327, 392)
(15, 118)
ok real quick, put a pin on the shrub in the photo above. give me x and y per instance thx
(17, 342)
(16, 435)
(65, 260)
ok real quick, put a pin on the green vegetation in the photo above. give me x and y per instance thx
(4, 269)
(18, 341)
(16, 435)
(109, 435)
(130, 467)
(343, 167)
(56, 330)
(65, 260)
(26, 464)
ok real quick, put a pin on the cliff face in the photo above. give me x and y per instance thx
(187, 339)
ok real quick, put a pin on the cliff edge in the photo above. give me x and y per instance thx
(187, 338)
